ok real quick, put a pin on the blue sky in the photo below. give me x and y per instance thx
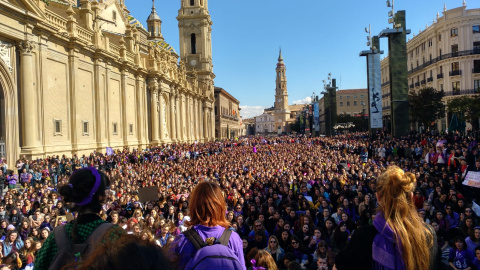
(316, 36)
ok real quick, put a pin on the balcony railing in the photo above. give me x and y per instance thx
(430, 79)
(440, 76)
(462, 92)
(475, 70)
(417, 84)
(386, 108)
(385, 83)
(423, 82)
(443, 57)
(231, 117)
(455, 72)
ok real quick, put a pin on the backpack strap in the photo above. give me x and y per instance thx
(195, 238)
(225, 238)
(97, 234)
(62, 239)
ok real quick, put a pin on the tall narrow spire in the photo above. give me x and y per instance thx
(444, 7)
(153, 14)
(464, 3)
(280, 58)
(154, 24)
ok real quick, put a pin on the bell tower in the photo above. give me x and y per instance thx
(195, 28)
(195, 32)
(282, 112)
(154, 25)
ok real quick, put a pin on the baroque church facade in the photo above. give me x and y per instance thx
(77, 77)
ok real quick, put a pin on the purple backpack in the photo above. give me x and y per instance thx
(212, 253)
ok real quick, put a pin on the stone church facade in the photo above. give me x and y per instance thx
(79, 77)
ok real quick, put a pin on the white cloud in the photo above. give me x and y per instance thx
(251, 111)
(303, 101)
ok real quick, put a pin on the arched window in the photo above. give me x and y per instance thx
(192, 2)
(193, 43)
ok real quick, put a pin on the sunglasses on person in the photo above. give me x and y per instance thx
(273, 242)
(294, 243)
(258, 225)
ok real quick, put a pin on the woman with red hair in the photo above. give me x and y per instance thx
(207, 220)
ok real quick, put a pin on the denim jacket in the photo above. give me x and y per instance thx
(7, 248)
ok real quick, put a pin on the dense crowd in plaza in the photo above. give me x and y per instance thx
(299, 199)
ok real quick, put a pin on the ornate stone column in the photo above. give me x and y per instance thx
(162, 114)
(212, 122)
(189, 117)
(28, 107)
(205, 121)
(123, 108)
(198, 117)
(153, 85)
(173, 132)
(195, 118)
(139, 103)
(183, 116)
(178, 114)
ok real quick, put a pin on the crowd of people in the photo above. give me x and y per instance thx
(294, 200)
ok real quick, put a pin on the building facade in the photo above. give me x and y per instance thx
(265, 124)
(445, 56)
(227, 115)
(75, 79)
(352, 101)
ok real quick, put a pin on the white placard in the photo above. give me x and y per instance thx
(472, 179)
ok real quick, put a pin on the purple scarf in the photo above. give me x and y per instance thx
(386, 252)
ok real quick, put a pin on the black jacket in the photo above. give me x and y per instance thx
(358, 253)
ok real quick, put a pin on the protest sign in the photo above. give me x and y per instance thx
(472, 179)
(148, 194)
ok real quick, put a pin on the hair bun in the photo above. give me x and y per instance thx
(67, 192)
(409, 183)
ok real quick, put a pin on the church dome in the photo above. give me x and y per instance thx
(153, 16)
